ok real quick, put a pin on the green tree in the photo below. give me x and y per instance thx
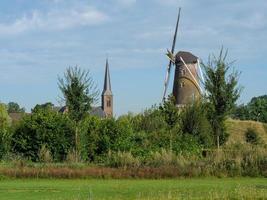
(14, 107)
(222, 93)
(43, 128)
(5, 135)
(79, 93)
(171, 115)
(45, 106)
(255, 110)
(194, 122)
(170, 111)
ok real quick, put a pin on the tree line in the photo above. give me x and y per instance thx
(48, 134)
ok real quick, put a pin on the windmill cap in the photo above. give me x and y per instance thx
(186, 56)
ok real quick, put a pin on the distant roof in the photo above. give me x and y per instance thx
(186, 56)
(98, 112)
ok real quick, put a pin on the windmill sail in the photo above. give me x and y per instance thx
(167, 77)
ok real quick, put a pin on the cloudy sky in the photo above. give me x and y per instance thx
(40, 38)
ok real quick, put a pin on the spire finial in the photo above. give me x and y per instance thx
(107, 83)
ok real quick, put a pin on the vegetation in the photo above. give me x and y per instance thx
(14, 107)
(5, 123)
(79, 93)
(44, 127)
(255, 110)
(160, 142)
(252, 136)
(222, 94)
(206, 189)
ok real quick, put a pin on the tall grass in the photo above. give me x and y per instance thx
(242, 160)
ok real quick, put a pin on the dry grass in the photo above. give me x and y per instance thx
(237, 129)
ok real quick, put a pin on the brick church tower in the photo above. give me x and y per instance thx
(107, 96)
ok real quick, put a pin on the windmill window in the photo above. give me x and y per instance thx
(182, 84)
(182, 72)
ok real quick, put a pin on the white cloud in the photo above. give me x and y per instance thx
(54, 20)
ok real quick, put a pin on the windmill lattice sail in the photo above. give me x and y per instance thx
(167, 77)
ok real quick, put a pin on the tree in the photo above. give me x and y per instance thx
(255, 110)
(5, 123)
(79, 93)
(44, 127)
(14, 107)
(222, 93)
(45, 106)
(170, 111)
(171, 115)
(194, 122)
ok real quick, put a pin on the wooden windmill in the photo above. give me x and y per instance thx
(187, 76)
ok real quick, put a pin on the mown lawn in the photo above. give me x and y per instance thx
(207, 188)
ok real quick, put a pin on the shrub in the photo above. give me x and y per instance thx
(5, 135)
(252, 136)
(45, 155)
(44, 127)
(72, 156)
(194, 122)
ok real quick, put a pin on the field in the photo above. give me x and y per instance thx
(206, 188)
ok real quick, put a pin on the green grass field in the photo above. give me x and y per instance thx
(207, 188)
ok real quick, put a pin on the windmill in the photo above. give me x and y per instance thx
(188, 74)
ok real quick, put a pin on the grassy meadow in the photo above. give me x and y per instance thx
(207, 188)
(237, 129)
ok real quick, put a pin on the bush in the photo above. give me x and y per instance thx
(252, 136)
(5, 135)
(44, 127)
(195, 123)
(45, 155)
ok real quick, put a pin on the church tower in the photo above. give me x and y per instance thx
(107, 96)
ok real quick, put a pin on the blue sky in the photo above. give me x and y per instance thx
(40, 38)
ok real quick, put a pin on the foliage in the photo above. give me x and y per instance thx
(44, 127)
(14, 107)
(89, 138)
(223, 92)
(44, 155)
(5, 134)
(79, 92)
(255, 110)
(45, 106)
(252, 136)
(194, 122)
(98, 137)
(170, 111)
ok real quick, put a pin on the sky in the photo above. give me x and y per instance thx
(39, 39)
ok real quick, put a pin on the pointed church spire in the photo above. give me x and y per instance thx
(107, 84)
(107, 96)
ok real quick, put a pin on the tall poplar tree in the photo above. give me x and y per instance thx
(79, 93)
(222, 94)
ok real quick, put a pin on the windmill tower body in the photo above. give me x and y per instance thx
(186, 81)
